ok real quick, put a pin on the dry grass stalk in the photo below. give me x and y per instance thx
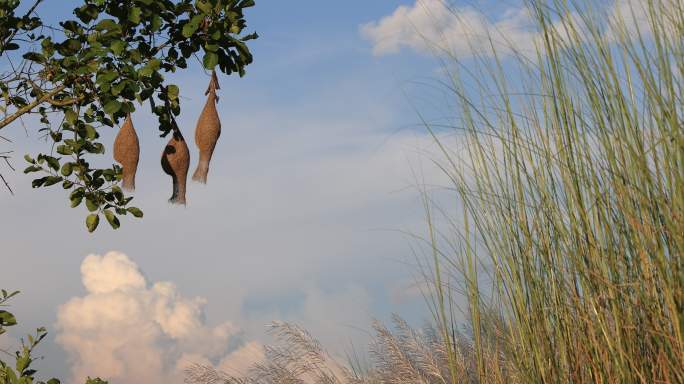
(175, 162)
(127, 152)
(297, 359)
(572, 193)
(402, 356)
(207, 131)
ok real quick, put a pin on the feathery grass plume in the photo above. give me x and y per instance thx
(127, 152)
(408, 355)
(572, 187)
(206, 374)
(207, 131)
(175, 162)
(403, 356)
(297, 358)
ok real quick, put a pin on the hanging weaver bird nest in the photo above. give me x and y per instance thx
(175, 159)
(127, 153)
(207, 131)
(175, 162)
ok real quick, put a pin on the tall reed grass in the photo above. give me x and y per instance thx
(568, 253)
(572, 189)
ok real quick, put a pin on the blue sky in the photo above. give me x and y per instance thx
(311, 187)
(306, 198)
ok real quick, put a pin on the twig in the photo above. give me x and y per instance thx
(28, 107)
(7, 185)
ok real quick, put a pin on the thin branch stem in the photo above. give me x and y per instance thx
(28, 107)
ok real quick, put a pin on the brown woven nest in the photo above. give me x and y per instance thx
(127, 152)
(207, 131)
(175, 162)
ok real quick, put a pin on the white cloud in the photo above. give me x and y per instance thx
(434, 26)
(634, 15)
(126, 331)
(112, 273)
(240, 361)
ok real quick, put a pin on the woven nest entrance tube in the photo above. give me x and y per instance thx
(127, 153)
(175, 162)
(207, 131)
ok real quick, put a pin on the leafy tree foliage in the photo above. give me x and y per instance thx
(91, 71)
(21, 371)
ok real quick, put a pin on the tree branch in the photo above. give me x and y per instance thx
(3, 178)
(47, 97)
(11, 36)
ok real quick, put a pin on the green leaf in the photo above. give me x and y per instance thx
(52, 162)
(76, 200)
(36, 183)
(7, 319)
(106, 77)
(67, 169)
(70, 116)
(118, 194)
(52, 180)
(64, 150)
(23, 362)
(192, 25)
(134, 15)
(92, 221)
(56, 136)
(210, 60)
(156, 23)
(33, 168)
(135, 212)
(90, 132)
(118, 87)
(90, 204)
(203, 6)
(107, 24)
(112, 219)
(172, 92)
(112, 106)
(251, 36)
(117, 47)
(34, 56)
(150, 67)
(72, 45)
(12, 377)
(96, 148)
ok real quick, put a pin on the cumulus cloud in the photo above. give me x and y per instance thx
(435, 26)
(431, 25)
(634, 16)
(128, 331)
